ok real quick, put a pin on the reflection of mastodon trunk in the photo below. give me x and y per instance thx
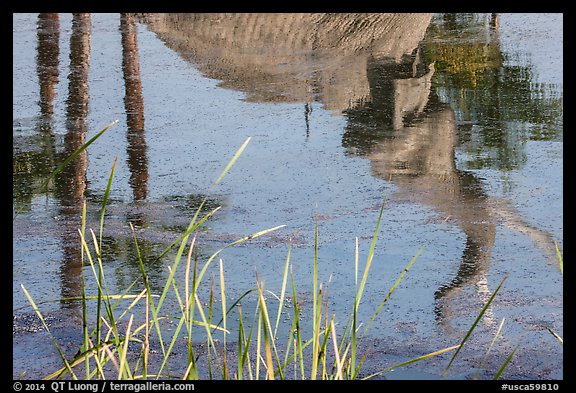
(419, 160)
(291, 57)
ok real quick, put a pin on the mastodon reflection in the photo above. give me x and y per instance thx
(370, 68)
(367, 66)
(291, 57)
(410, 136)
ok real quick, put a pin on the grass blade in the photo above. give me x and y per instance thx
(394, 286)
(105, 201)
(191, 228)
(554, 334)
(266, 330)
(100, 272)
(150, 299)
(316, 304)
(360, 289)
(370, 256)
(72, 156)
(193, 225)
(559, 255)
(176, 262)
(501, 370)
(83, 293)
(223, 300)
(298, 351)
(336, 353)
(474, 325)
(419, 358)
(239, 241)
(489, 348)
(231, 162)
(68, 368)
(282, 291)
(123, 368)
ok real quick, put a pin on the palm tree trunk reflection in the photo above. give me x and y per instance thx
(134, 105)
(47, 61)
(47, 58)
(71, 183)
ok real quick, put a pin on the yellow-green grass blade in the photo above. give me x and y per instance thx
(282, 290)
(474, 325)
(417, 359)
(37, 311)
(394, 286)
(231, 162)
(72, 156)
(559, 255)
(503, 367)
(489, 348)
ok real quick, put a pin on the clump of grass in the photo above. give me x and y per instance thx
(323, 353)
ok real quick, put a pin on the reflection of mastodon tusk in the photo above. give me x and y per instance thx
(511, 219)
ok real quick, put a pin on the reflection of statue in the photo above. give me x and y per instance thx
(410, 137)
(368, 67)
(291, 57)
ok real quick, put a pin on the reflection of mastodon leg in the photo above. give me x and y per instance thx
(472, 272)
(442, 311)
(445, 302)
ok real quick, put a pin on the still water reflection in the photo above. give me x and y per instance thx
(431, 102)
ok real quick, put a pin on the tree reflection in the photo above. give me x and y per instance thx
(47, 59)
(70, 185)
(492, 91)
(33, 160)
(134, 106)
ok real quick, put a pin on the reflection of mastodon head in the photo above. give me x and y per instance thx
(399, 95)
(291, 57)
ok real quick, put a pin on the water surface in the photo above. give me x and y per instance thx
(456, 121)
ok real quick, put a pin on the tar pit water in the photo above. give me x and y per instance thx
(453, 121)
